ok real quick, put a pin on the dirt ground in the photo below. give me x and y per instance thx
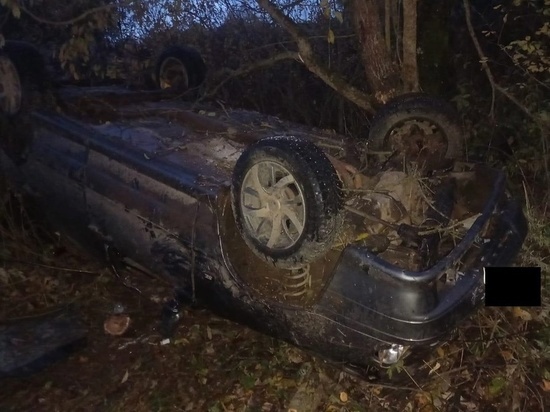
(493, 364)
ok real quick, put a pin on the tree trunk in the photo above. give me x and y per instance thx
(436, 35)
(381, 72)
(409, 70)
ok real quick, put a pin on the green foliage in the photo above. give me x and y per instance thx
(532, 52)
(497, 385)
(74, 34)
(512, 134)
(12, 6)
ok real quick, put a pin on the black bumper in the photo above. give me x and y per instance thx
(369, 296)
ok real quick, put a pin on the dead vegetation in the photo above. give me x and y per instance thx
(499, 360)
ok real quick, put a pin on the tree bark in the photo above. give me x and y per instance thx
(381, 72)
(409, 70)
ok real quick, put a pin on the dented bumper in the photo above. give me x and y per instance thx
(369, 296)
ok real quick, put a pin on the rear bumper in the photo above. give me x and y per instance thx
(369, 296)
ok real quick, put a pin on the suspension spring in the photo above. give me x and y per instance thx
(298, 281)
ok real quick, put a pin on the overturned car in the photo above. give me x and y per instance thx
(357, 249)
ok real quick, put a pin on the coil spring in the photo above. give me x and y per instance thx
(298, 281)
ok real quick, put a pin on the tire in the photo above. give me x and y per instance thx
(308, 202)
(16, 127)
(30, 65)
(433, 115)
(179, 68)
(10, 87)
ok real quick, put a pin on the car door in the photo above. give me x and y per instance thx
(52, 170)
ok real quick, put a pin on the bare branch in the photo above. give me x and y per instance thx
(307, 56)
(482, 58)
(74, 19)
(543, 126)
(494, 85)
(260, 64)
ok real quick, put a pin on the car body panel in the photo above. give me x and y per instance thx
(152, 179)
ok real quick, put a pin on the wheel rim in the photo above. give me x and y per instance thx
(10, 87)
(173, 74)
(416, 138)
(273, 205)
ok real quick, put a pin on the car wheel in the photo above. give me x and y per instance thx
(10, 87)
(23, 82)
(24, 77)
(287, 201)
(417, 125)
(179, 68)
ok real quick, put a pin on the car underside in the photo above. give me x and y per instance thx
(354, 248)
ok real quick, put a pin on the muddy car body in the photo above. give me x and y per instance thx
(164, 184)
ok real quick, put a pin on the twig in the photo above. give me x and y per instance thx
(308, 57)
(370, 217)
(330, 146)
(447, 228)
(288, 55)
(282, 43)
(387, 386)
(124, 279)
(536, 393)
(449, 372)
(524, 70)
(544, 126)
(483, 59)
(42, 265)
(46, 312)
(74, 19)
(193, 253)
(412, 379)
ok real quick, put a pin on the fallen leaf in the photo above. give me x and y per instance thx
(468, 406)
(247, 382)
(125, 377)
(377, 390)
(423, 402)
(210, 349)
(436, 367)
(507, 355)
(518, 312)
(545, 385)
(294, 356)
(497, 385)
(330, 36)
